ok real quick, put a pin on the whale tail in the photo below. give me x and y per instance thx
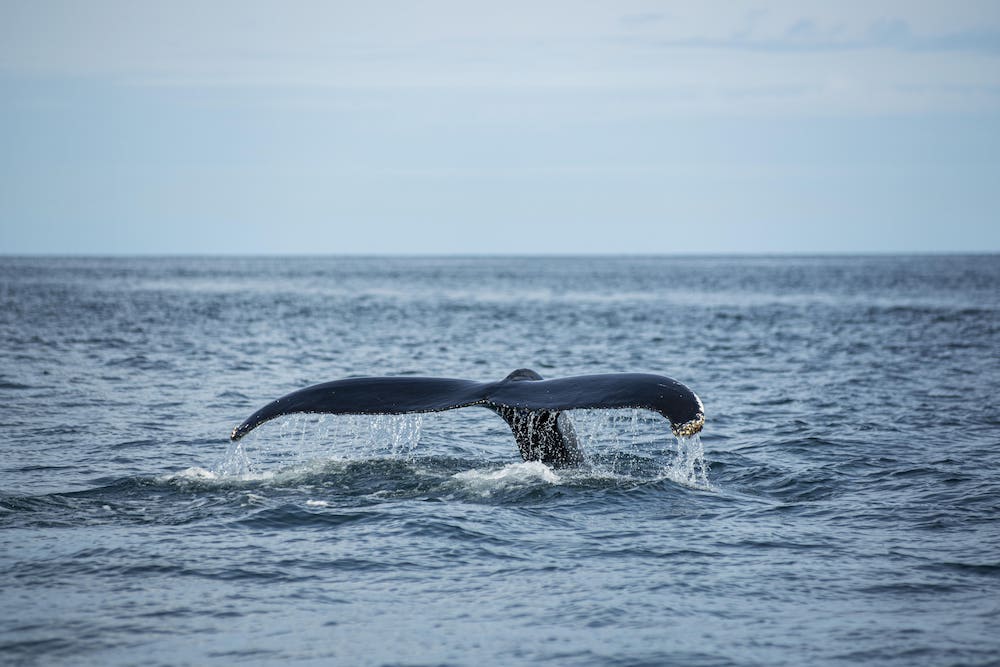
(543, 435)
(534, 408)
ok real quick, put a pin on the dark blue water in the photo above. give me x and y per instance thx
(845, 508)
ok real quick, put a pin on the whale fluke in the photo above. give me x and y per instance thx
(531, 406)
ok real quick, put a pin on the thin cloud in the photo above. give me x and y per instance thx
(804, 35)
(643, 19)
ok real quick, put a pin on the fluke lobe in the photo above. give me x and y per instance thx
(531, 406)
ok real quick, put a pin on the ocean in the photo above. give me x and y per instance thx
(840, 507)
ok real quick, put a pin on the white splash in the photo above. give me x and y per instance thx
(618, 445)
(688, 466)
(621, 435)
(197, 476)
(488, 482)
(193, 474)
(303, 440)
(235, 462)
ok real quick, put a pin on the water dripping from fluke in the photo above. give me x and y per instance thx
(688, 466)
(303, 442)
(625, 445)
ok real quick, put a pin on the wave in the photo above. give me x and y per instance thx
(304, 470)
(313, 492)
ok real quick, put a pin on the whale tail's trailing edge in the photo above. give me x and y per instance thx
(531, 406)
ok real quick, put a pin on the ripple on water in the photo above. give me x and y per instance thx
(828, 519)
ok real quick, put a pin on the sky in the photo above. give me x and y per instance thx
(718, 126)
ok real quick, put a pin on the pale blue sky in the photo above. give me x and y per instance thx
(516, 127)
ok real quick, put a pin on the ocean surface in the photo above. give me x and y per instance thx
(841, 506)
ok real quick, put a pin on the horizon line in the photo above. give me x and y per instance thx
(498, 255)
